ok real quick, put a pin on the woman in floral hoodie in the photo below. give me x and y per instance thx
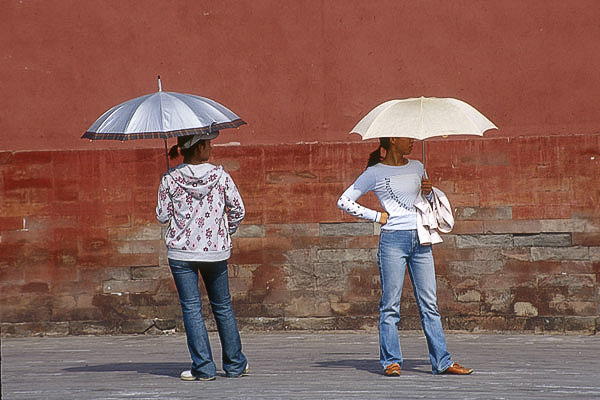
(203, 207)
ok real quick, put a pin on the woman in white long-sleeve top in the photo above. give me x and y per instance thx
(203, 207)
(397, 182)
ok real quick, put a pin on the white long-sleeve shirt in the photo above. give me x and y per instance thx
(203, 208)
(396, 187)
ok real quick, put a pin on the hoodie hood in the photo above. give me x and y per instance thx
(194, 180)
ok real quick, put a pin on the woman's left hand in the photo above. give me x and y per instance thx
(426, 186)
(383, 218)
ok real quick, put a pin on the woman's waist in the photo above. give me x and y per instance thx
(199, 255)
(400, 222)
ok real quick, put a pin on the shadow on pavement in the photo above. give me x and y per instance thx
(172, 369)
(374, 367)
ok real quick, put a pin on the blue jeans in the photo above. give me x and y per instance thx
(397, 249)
(216, 281)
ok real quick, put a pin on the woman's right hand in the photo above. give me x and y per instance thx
(383, 218)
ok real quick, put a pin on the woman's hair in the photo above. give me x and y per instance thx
(375, 157)
(176, 150)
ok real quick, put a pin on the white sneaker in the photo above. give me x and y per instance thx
(187, 376)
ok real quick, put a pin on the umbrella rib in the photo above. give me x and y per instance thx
(115, 110)
(218, 111)
(199, 126)
(467, 117)
(133, 112)
(379, 115)
(206, 102)
(162, 124)
(475, 113)
(129, 119)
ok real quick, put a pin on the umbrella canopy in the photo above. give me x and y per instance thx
(162, 115)
(422, 118)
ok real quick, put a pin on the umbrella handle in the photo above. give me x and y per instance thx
(422, 149)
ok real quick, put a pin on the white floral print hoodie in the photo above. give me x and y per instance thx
(203, 208)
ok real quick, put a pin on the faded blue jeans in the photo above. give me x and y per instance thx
(397, 250)
(216, 281)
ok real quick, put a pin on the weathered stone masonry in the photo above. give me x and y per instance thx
(81, 252)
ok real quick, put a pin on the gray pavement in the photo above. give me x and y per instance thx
(301, 365)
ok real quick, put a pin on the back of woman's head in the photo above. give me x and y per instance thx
(176, 149)
(375, 157)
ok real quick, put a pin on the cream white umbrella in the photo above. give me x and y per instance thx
(422, 118)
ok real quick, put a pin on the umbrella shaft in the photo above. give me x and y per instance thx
(167, 154)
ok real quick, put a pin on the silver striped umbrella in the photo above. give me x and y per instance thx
(162, 115)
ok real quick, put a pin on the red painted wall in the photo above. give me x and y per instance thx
(296, 70)
(80, 251)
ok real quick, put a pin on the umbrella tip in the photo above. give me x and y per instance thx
(159, 84)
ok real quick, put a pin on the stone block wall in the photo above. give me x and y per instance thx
(81, 251)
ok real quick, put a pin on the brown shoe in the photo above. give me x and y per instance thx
(457, 369)
(392, 370)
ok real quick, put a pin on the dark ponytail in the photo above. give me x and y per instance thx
(173, 153)
(175, 150)
(376, 157)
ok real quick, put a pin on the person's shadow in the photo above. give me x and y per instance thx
(373, 366)
(172, 369)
